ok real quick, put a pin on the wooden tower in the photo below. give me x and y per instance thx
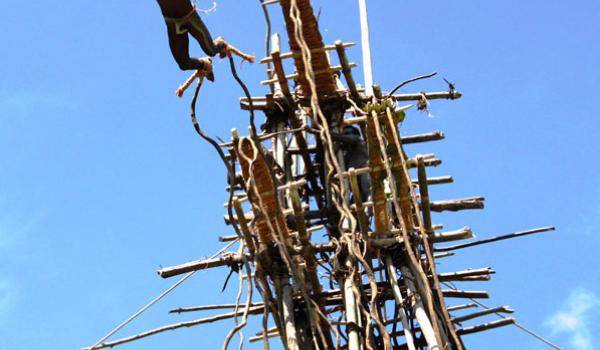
(340, 250)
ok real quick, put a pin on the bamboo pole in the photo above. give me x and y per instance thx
(351, 311)
(288, 315)
(366, 47)
(399, 302)
(426, 230)
(419, 310)
(278, 67)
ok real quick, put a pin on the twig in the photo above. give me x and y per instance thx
(419, 77)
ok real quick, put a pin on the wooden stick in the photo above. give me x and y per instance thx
(461, 307)
(363, 221)
(499, 309)
(453, 293)
(228, 238)
(291, 339)
(428, 95)
(228, 259)
(260, 337)
(244, 226)
(443, 255)
(363, 119)
(432, 136)
(486, 326)
(453, 276)
(494, 239)
(457, 204)
(208, 307)
(463, 233)
(304, 238)
(436, 180)
(346, 69)
(424, 194)
(278, 66)
(253, 311)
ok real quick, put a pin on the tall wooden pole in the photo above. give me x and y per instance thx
(366, 47)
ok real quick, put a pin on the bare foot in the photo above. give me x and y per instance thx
(207, 71)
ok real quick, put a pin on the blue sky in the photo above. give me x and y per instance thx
(103, 179)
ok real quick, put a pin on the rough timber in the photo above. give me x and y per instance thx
(292, 185)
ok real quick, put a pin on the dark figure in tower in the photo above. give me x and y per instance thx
(356, 156)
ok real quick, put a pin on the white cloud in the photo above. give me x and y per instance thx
(573, 319)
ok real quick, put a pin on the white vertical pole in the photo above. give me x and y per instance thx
(351, 312)
(366, 47)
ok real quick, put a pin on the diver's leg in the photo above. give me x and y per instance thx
(200, 32)
(179, 44)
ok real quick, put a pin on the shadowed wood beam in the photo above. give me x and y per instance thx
(453, 293)
(457, 204)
